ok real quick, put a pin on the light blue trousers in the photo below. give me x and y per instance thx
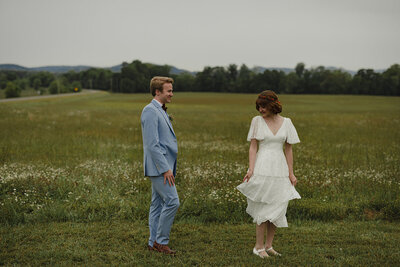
(164, 205)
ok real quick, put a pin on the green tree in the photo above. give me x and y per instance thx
(336, 82)
(391, 80)
(367, 82)
(299, 69)
(11, 90)
(232, 77)
(244, 80)
(134, 77)
(53, 88)
(184, 82)
(76, 86)
(22, 84)
(3, 80)
(36, 83)
(45, 78)
(291, 83)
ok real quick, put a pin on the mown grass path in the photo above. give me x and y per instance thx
(25, 98)
(304, 243)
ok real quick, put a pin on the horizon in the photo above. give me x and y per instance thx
(349, 35)
(250, 67)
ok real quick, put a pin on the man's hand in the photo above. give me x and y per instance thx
(168, 175)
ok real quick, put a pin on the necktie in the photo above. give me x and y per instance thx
(164, 107)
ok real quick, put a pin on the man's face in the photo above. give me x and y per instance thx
(166, 95)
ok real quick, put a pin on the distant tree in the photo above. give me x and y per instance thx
(391, 80)
(336, 82)
(45, 78)
(221, 80)
(204, 80)
(36, 83)
(115, 82)
(76, 86)
(299, 69)
(22, 84)
(157, 70)
(72, 76)
(127, 85)
(244, 80)
(269, 80)
(135, 77)
(184, 82)
(212, 79)
(54, 88)
(232, 73)
(11, 90)
(3, 80)
(367, 82)
(291, 83)
(11, 75)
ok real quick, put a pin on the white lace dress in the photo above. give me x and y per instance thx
(269, 190)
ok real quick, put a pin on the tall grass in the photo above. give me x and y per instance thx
(79, 158)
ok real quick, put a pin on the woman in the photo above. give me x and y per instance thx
(269, 182)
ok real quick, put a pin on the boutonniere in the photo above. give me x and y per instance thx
(171, 118)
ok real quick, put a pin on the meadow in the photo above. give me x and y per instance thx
(72, 167)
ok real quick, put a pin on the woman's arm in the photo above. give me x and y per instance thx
(252, 159)
(289, 160)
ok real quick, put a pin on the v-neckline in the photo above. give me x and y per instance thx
(270, 128)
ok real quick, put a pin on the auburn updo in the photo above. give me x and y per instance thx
(269, 100)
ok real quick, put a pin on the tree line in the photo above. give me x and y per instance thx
(134, 77)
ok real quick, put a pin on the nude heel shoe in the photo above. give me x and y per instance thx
(272, 251)
(258, 251)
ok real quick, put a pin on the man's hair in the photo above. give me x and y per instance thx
(157, 83)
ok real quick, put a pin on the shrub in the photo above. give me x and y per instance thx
(11, 90)
(76, 86)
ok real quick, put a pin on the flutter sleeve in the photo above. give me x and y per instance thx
(291, 136)
(256, 131)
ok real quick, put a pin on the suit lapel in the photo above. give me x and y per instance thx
(164, 114)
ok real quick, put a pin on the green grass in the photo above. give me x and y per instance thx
(74, 164)
(124, 243)
(80, 158)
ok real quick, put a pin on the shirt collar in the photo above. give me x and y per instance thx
(158, 102)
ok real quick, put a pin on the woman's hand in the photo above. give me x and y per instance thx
(293, 179)
(248, 175)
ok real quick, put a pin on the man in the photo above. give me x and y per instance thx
(160, 152)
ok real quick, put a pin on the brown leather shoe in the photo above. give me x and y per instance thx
(151, 248)
(164, 249)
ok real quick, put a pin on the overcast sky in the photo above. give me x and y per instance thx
(351, 34)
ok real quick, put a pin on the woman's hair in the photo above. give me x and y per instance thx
(269, 100)
(157, 83)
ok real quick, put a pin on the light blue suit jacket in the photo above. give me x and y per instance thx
(160, 148)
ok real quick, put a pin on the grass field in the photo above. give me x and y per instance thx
(74, 165)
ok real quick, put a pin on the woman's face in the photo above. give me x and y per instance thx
(264, 111)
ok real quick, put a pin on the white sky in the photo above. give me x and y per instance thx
(188, 34)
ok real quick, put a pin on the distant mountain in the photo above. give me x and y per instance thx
(117, 68)
(176, 71)
(12, 67)
(63, 69)
(53, 69)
